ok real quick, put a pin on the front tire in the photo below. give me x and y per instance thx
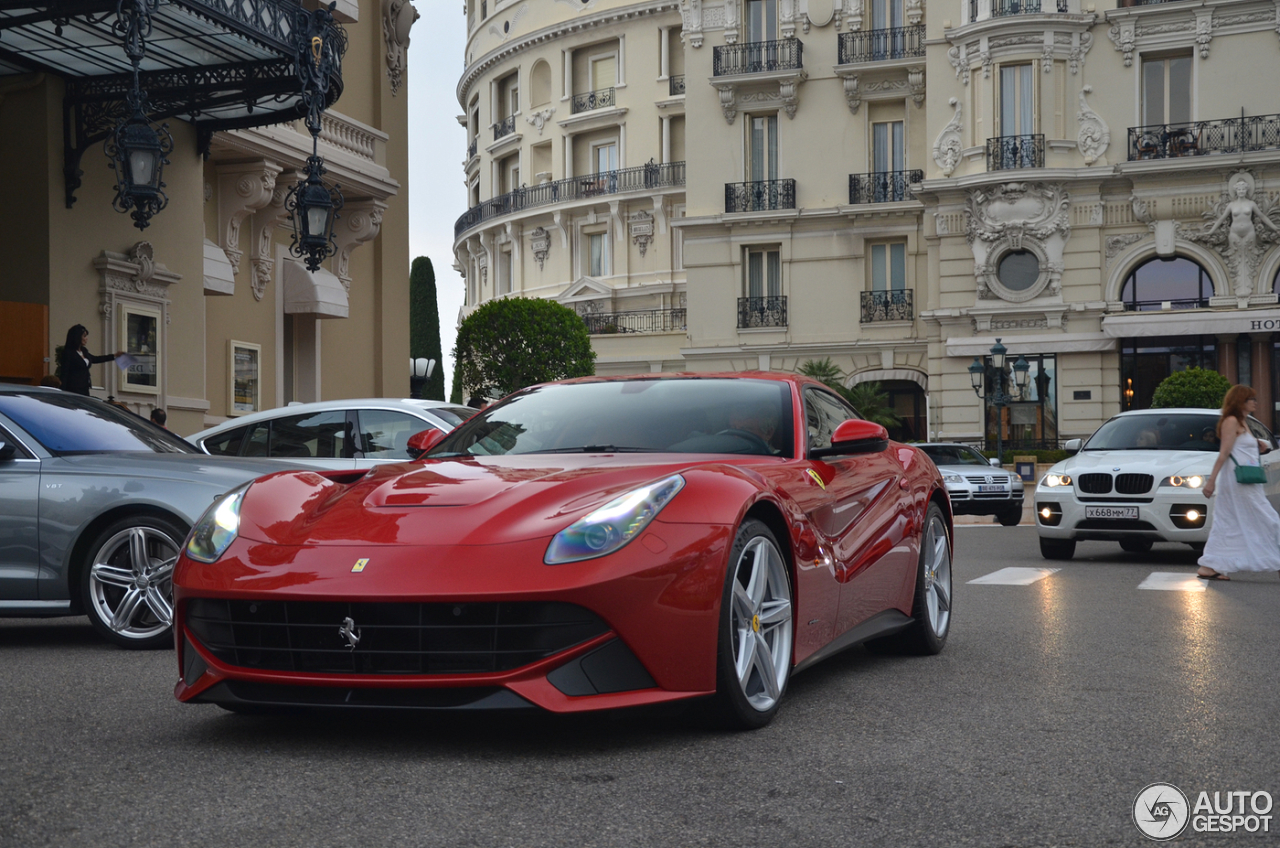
(1011, 517)
(1136, 546)
(127, 583)
(753, 655)
(1057, 548)
(931, 608)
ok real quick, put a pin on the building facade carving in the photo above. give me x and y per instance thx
(1016, 218)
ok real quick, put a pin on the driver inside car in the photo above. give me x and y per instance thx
(750, 431)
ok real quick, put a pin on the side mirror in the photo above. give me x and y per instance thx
(7, 450)
(1072, 446)
(855, 436)
(996, 463)
(420, 443)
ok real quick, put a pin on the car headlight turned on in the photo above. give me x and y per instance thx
(217, 528)
(1053, 481)
(612, 525)
(1191, 481)
(1188, 516)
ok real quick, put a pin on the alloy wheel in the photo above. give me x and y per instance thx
(760, 622)
(131, 582)
(937, 575)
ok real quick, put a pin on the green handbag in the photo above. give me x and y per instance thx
(1249, 473)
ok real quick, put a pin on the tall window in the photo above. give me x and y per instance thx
(1032, 420)
(1179, 282)
(1145, 362)
(762, 148)
(606, 158)
(886, 14)
(604, 72)
(764, 272)
(887, 147)
(513, 102)
(503, 283)
(1166, 90)
(597, 254)
(762, 20)
(1017, 100)
(889, 267)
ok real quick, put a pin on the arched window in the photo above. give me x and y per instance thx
(1179, 281)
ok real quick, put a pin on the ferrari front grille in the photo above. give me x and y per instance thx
(335, 637)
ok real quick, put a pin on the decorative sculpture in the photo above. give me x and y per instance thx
(1251, 230)
(947, 148)
(398, 17)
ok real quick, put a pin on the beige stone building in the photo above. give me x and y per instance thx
(893, 184)
(220, 316)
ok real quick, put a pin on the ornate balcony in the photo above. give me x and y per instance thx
(878, 45)
(643, 178)
(1005, 8)
(758, 57)
(637, 321)
(1200, 138)
(1015, 151)
(895, 305)
(884, 187)
(760, 196)
(504, 127)
(600, 99)
(762, 311)
(676, 85)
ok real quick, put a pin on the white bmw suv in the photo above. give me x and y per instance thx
(1138, 480)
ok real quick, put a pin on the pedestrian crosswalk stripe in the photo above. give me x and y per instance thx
(1014, 576)
(1173, 581)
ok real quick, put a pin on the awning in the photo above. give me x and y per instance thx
(1191, 323)
(218, 276)
(317, 293)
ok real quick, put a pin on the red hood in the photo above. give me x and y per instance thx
(481, 501)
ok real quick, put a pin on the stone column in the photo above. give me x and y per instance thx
(1262, 382)
(666, 139)
(664, 52)
(1227, 358)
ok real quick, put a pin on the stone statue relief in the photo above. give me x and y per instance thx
(1241, 230)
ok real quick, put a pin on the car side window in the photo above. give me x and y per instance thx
(385, 434)
(225, 444)
(823, 414)
(19, 451)
(320, 435)
(1260, 431)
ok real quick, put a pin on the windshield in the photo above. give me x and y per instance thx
(451, 415)
(954, 455)
(1194, 431)
(70, 423)
(660, 415)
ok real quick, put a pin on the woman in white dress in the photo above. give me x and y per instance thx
(1245, 535)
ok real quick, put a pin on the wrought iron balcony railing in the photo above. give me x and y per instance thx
(1199, 138)
(1004, 8)
(758, 57)
(762, 311)
(760, 196)
(473, 147)
(637, 321)
(1015, 151)
(895, 305)
(883, 187)
(504, 127)
(676, 84)
(877, 45)
(599, 99)
(643, 178)
(1157, 305)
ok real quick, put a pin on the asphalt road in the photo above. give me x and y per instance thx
(1053, 705)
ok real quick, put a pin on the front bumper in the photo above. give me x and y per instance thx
(967, 500)
(656, 600)
(1166, 515)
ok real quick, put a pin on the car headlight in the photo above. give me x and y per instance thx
(948, 477)
(1055, 480)
(1191, 481)
(612, 525)
(217, 528)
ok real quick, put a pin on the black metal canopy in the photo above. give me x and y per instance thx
(217, 64)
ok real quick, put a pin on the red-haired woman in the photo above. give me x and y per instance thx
(1245, 535)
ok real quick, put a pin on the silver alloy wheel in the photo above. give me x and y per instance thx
(131, 582)
(760, 622)
(937, 575)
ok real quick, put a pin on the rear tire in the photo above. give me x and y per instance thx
(127, 583)
(1011, 517)
(753, 653)
(931, 607)
(1057, 548)
(1136, 546)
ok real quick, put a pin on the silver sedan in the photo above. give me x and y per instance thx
(95, 504)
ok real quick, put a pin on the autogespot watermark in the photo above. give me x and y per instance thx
(1162, 811)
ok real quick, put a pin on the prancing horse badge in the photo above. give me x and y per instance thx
(359, 566)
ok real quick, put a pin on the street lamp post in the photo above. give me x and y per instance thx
(420, 369)
(999, 398)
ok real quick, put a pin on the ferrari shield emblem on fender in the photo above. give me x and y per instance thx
(359, 566)
(817, 478)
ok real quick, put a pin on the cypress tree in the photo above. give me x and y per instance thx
(424, 324)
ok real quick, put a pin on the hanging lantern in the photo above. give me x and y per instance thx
(313, 210)
(138, 151)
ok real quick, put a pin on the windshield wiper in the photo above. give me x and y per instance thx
(598, 449)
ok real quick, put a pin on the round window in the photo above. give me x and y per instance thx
(1019, 270)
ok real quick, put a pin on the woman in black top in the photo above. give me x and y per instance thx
(76, 360)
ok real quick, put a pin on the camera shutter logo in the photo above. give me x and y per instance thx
(1161, 811)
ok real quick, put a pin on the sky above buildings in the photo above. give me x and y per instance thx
(437, 146)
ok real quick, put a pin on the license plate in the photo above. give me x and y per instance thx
(993, 489)
(1114, 512)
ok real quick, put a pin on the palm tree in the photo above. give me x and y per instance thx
(868, 398)
(824, 371)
